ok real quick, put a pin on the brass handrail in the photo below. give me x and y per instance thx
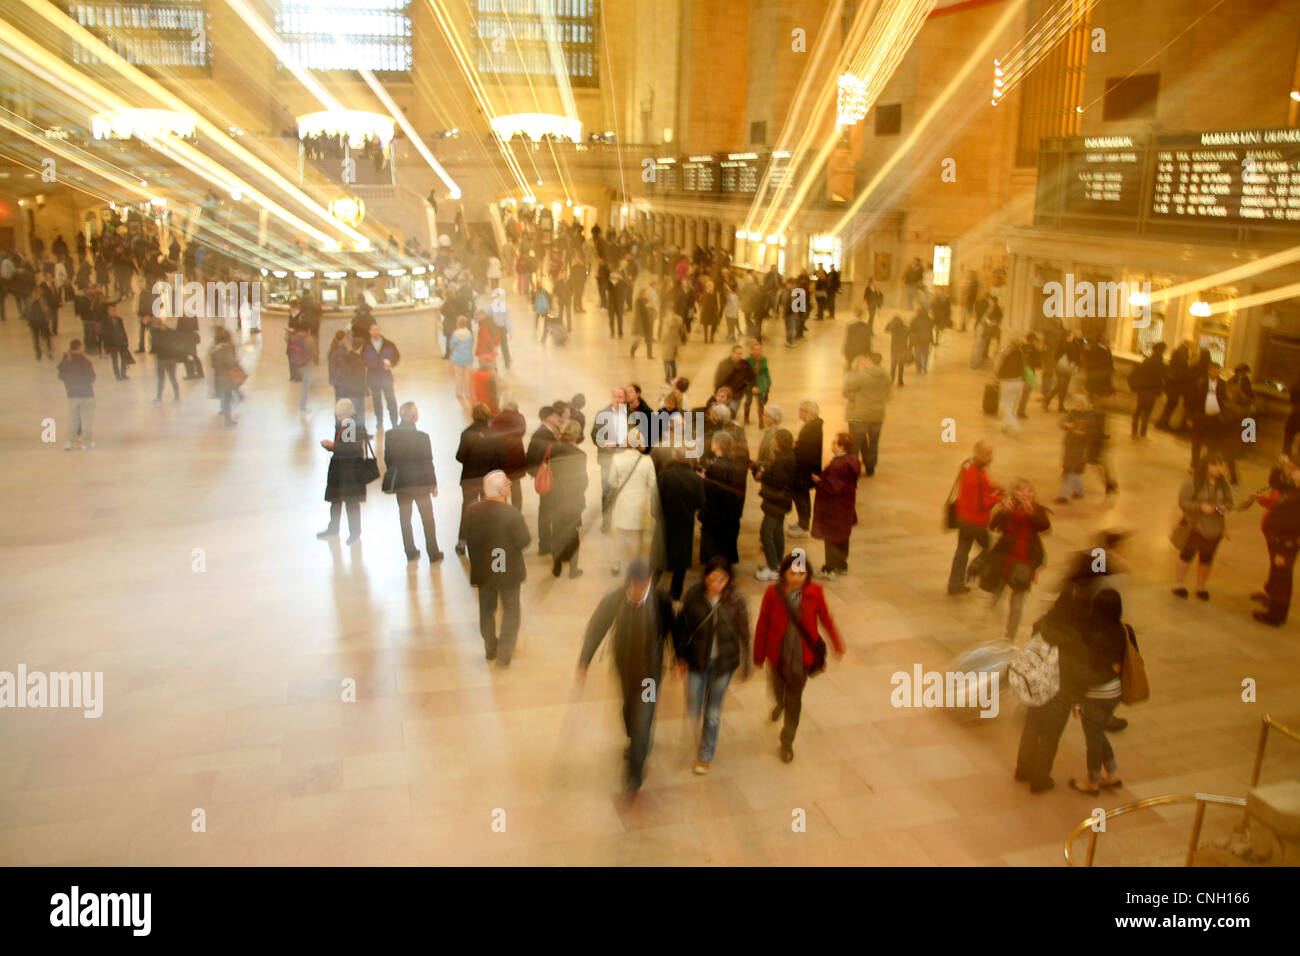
(1201, 799)
(1266, 722)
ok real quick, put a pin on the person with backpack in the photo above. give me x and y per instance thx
(1106, 639)
(786, 638)
(711, 641)
(304, 355)
(542, 311)
(1205, 499)
(1147, 381)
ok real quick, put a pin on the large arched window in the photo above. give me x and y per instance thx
(537, 39)
(168, 34)
(346, 34)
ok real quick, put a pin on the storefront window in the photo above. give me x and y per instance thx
(1212, 330)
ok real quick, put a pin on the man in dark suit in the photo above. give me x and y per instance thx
(408, 454)
(547, 434)
(807, 462)
(481, 450)
(496, 536)
(1209, 402)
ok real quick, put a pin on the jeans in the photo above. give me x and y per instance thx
(564, 311)
(40, 332)
(638, 720)
(750, 397)
(802, 506)
(866, 443)
(1040, 738)
(922, 358)
(772, 535)
(967, 534)
(670, 370)
(386, 393)
(914, 295)
(508, 596)
(791, 328)
(1010, 389)
(897, 362)
(167, 369)
(307, 371)
(423, 502)
(227, 398)
(615, 318)
(81, 414)
(1096, 714)
(354, 516)
(117, 357)
(1060, 389)
(788, 689)
(1071, 484)
(1146, 403)
(706, 690)
(1016, 609)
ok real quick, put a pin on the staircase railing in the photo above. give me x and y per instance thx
(1202, 800)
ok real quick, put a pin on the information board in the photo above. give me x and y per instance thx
(1104, 176)
(699, 174)
(1236, 176)
(739, 172)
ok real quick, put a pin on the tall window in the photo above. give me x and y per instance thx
(535, 39)
(1053, 91)
(346, 34)
(172, 34)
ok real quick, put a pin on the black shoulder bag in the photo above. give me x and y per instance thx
(950, 508)
(813, 643)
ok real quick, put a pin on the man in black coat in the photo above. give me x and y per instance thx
(409, 456)
(481, 450)
(496, 537)
(807, 462)
(1207, 407)
(681, 497)
(857, 339)
(641, 617)
(542, 442)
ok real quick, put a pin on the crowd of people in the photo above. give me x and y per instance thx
(675, 473)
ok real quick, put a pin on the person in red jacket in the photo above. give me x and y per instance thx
(484, 388)
(786, 644)
(976, 496)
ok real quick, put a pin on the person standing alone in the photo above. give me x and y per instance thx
(78, 377)
(409, 455)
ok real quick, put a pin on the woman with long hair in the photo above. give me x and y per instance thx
(1205, 499)
(786, 638)
(1106, 637)
(462, 355)
(711, 639)
(1019, 553)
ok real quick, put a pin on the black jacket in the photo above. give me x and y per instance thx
(409, 452)
(542, 440)
(681, 495)
(481, 450)
(777, 485)
(808, 454)
(1149, 376)
(699, 625)
(344, 481)
(491, 525)
(857, 340)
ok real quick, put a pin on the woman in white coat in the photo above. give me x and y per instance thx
(635, 504)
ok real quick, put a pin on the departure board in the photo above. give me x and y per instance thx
(1104, 177)
(667, 176)
(1236, 176)
(699, 174)
(739, 172)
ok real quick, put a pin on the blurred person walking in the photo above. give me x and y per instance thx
(496, 537)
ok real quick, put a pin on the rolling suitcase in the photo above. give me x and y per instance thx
(991, 398)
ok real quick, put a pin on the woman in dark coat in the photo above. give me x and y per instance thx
(345, 484)
(510, 424)
(568, 498)
(681, 496)
(724, 500)
(834, 510)
(711, 640)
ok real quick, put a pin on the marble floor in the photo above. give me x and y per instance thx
(222, 686)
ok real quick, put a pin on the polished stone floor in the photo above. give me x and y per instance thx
(223, 686)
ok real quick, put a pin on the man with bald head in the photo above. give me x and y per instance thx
(496, 537)
(975, 496)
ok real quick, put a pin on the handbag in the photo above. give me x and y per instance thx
(1035, 674)
(1181, 534)
(814, 644)
(369, 465)
(1021, 577)
(1133, 687)
(237, 376)
(544, 480)
(950, 521)
(389, 485)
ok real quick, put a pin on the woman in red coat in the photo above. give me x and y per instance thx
(835, 508)
(779, 641)
(1016, 558)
